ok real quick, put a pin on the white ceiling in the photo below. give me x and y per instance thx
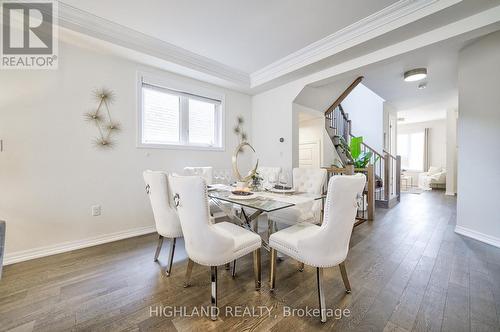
(253, 46)
(245, 35)
(421, 115)
(415, 105)
(385, 78)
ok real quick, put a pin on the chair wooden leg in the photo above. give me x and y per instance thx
(257, 268)
(158, 247)
(189, 269)
(272, 270)
(321, 294)
(170, 256)
(213, 300)
(233, 269)
(343, 272)
(301, 267)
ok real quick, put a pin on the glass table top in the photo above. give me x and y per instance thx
(265, 201)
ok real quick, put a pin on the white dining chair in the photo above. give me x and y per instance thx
(268, 173)
(305, 180)
(165, 215)
(206, 172)
(326, 245)
(207, 243)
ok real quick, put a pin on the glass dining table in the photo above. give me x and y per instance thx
(245, 211)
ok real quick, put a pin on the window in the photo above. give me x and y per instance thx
(411, 149)
(175, 118)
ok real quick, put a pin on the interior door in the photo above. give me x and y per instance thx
(309, 155)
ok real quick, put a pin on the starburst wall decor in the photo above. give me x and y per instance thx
(101, 117)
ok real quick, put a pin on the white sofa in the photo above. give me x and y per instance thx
(434, 178)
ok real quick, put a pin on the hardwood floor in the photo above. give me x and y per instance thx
(409, 271)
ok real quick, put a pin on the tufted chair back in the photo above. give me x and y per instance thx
(204, 243)
(309, 180)
(267, 172)
(166, 218)
(204, 172)
(328, 246)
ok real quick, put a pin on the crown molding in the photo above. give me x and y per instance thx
(187, 63)
(92, 25)
(392, 17)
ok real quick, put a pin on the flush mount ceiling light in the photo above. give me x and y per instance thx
(415, 74)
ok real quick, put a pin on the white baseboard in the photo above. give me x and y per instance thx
(494, 241)
(24, 255)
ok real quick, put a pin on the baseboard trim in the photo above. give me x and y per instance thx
(24, 255)
(488, 239)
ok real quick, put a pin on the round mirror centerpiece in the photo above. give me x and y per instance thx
(242, 181)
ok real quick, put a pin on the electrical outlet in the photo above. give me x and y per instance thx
(96, 210)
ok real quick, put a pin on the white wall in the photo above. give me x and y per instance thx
(390, 114)
(50, 174)
(273, 117)
(366, 112)
(478, 138)
(451, 151)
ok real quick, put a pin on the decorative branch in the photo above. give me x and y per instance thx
(105, 126)
(238, 130)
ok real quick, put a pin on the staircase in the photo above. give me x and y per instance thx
(386, 167)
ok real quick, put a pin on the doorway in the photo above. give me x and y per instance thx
(310, 154)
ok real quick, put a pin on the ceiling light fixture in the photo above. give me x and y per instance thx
(415, 74)
(422, 85)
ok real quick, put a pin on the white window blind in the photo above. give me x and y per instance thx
(161, 117)
(170, 117)
(201, 122)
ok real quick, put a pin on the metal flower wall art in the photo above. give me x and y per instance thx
(102, 119)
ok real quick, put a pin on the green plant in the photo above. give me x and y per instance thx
(363, 159)
(355, 146)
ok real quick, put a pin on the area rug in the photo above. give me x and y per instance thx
(412, 190)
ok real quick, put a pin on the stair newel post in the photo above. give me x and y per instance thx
(349, 170)
(387, 174)
(371, 191)
(398, 177)
(347, 128)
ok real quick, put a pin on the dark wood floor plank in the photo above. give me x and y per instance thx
(408, 269)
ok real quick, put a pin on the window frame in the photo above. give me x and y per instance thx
(186, 91)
